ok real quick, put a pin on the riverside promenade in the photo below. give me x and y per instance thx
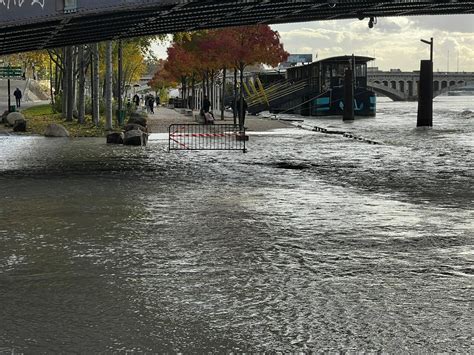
(163, 117)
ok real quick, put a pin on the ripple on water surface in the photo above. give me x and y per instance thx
(308, 242)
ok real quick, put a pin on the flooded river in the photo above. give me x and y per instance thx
(308, 242)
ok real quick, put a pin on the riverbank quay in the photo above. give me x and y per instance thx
(38, 117)
(163, 117)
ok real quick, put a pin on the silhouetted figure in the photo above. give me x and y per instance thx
(206, 104)
(18, 95)
(136, 100)
(158, 100)
(206, 110)
(151, 103)
(241, 104)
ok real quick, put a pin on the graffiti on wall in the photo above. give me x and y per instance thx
(19, 3)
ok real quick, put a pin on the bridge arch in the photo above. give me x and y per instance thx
(385, 90)
(444, 84)
(385, 83)
(452, 83)
(447, 89)
(401, 86)
(436, 85)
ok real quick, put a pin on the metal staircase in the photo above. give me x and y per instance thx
(277, 95)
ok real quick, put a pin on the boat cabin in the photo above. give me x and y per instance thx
(329, 73)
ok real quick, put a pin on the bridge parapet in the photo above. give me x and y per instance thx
(404, 85)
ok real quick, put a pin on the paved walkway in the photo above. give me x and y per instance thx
(164, 117)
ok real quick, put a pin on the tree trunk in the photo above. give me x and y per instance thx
(64, 87)
(95, 84)
(81, 102)
(234, 109)
(74, 80)
(193, 88)
(212, 98)
(51, 82)
(108, 85)
(224, 74)
(69, 93)
(241, 98)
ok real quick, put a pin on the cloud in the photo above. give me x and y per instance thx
(394, 41)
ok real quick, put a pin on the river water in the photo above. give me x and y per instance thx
(308, 242)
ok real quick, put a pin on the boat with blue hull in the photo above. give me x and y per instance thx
(315, 89)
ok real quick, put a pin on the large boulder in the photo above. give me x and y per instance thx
(4, 116)
(134, 126)
(56, 130)
(137, 118)
(19, 126)
(115, 138)
(135, 137)
(13, 116)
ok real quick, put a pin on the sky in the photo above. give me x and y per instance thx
(394, 42)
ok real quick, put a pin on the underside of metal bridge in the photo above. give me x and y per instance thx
(38, 24)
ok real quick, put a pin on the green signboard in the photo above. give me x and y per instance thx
(10, 72)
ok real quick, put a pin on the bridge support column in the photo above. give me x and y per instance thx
(348, 96)
(425, 95)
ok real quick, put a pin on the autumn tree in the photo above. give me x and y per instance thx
(162, 79)
(253, 45)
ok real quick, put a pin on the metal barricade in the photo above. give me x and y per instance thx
(207, 137)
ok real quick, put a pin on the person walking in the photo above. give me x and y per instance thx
(18, 95)
(151, 103)
(158, 100)
(136, 100)
(206, 104)
(241, 104)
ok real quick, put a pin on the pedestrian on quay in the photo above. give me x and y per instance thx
(151, 103)
(136, 100)
(241, 104)
(158, 100)
(206, 110)
(18, 95)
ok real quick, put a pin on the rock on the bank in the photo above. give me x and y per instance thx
(13, 116)
(135, 137)
(19, 126)
(4, 116)
(134, 127)
(136, 118)
(115, 138)
(56, 130)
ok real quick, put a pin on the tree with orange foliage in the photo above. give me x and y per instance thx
(162, 79)
(253, 45)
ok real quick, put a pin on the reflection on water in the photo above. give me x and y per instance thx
(308, 242)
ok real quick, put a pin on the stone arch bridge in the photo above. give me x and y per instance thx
(403, 86)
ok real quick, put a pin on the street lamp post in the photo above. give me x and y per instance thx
(431, 44)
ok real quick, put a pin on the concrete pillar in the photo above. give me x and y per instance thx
(425, 96)
(348, 114)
